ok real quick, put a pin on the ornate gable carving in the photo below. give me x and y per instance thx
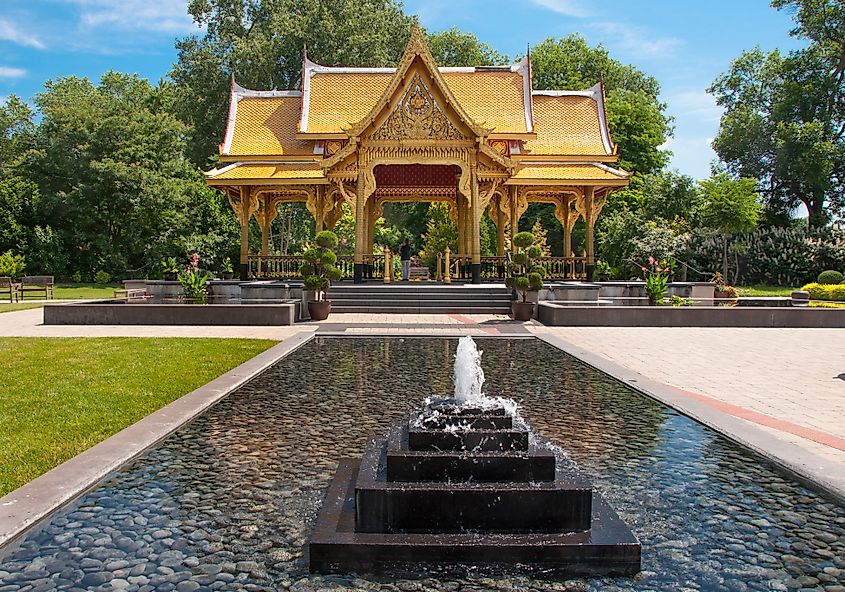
(417, 116)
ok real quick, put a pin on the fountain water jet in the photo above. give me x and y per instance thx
(468, 376)
(465, 484)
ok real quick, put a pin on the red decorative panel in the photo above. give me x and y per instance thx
(416, 175)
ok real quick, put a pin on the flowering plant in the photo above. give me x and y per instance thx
(194, 281)
(656, 276)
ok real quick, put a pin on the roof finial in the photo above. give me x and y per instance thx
(304, 51)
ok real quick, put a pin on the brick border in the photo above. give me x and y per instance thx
(807, 467)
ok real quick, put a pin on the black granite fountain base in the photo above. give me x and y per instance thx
(608, 548)
(462, 486)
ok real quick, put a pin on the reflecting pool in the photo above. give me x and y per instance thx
(226, 503)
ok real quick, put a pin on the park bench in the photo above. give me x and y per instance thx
(41, 284)
(130, 293)
(7, 286)
(419, 273)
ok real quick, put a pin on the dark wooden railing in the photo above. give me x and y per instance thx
(288, 266)
(492, 268)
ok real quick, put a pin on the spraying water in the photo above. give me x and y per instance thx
(469, 377)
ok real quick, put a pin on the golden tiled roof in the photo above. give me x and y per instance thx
(567, 172)
(566, 125)
(340, 99)
(266, 171)
(268, 126)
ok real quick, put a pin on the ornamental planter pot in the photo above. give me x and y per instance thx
(522, 311)
(170, 276)
(228, 275)
(319, 310)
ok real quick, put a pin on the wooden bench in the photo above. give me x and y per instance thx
(419, 273)
(131, 293)
(42, 284)
(7, 286)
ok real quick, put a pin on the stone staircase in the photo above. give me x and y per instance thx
(404, 298)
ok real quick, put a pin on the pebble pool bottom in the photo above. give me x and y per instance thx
(227, 501)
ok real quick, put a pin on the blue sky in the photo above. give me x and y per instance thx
(685, 44)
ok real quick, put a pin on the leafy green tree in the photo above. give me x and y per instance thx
(19, 210)
(453, 47)
(117, 191)
(16, 131)
(784, 121)
(441, 232)
(636, 116)
(731, 206)
(262, 41)
(541, 238)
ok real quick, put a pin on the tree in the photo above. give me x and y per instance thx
(262, 41)
(541, 238)
(442, 232)
(453, 47)
(117, 192)
(731, 206)
(784, 121)
(635, 113)
(16, 130)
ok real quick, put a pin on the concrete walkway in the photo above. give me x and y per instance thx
(789, 383)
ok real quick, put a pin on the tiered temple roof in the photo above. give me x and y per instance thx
(557, 136)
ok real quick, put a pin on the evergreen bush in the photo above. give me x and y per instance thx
(830, 276)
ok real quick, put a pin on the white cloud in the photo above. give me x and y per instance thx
(568, 7)
(636, 40)
(9, 72)
(692, 155)
(695, 103)
(13, 33)
(169, 16)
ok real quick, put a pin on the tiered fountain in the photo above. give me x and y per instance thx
(466, 482)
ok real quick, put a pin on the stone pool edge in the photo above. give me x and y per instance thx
(23, 508)
(804, 465)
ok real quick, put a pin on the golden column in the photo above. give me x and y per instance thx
(318, 219)
(567, 223)
(500, 231)
(475, 226)
(243, 217)
(589, 194)
(514, 212)
(265, 218)
(360, 224)
(460, 206)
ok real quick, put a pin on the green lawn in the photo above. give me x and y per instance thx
(764, 290)
(11, 306)
(85, 291)
(63, 395)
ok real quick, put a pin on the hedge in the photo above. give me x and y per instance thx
(835, 292)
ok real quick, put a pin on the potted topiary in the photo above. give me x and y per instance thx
(170, 269)
(724, 291)
(226, 269)
(318, 273)
(527, 275)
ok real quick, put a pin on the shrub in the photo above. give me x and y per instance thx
(76, 277)
(319, 271)
(835, 292)
(830, 277)
(779, 256)
(528, 275)
(11, 265)
(102, 277)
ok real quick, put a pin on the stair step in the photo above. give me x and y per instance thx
(422, 310)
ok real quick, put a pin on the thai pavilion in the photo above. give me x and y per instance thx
(477, 138)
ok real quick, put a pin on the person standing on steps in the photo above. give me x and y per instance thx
(405, 256)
